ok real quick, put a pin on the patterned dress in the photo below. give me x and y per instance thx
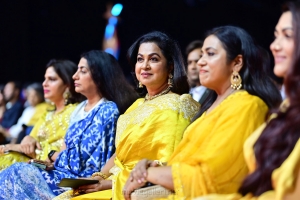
(90, 143)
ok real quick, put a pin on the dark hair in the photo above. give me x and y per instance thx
(38, 88)
(196, 44)
(109, 79)
(282, 133)
(171, 51)
(236, 41)
(65, 70)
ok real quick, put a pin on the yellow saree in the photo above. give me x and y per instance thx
(49, 131)
(283, 178)
(210, 159)
(149, 129)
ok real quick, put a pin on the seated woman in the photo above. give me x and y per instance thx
(209, 159)
(272, 152)
(35, 108)
(89, 141)
(153, 126)
(49, 131)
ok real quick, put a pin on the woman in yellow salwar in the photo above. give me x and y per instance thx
(153, 126)
(209, 159)
(273, 151)
(48, 133)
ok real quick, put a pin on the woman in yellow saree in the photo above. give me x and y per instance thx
(48, 133)
(153, 126)
(273, 151)
(209, 159)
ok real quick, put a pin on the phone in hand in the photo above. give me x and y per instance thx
(75, 183)
(38, 164)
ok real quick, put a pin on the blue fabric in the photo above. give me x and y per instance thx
(11, 115)
(28, 130)
(90, 143)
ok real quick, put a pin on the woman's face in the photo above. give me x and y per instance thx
(214, 70)
(32, 97)
(283, 46)
(151, 66)
(83, 81)
(53, 85)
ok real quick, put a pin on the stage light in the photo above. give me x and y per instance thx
(116, 10)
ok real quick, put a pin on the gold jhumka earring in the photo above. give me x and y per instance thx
(236, 81)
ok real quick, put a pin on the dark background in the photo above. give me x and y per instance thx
(35, 31)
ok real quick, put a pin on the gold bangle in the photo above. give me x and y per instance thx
(104, 176)
(159, 163)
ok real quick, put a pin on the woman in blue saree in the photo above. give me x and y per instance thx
(89, 141)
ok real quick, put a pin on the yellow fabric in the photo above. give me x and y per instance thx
(49, 131)
(283, 178)
(210, 159)
(40, 109)
(149, 129)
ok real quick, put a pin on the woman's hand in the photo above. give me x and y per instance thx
(28, 146)
(49, 165)
(139, 172)
(3, 148)
(101, 185)
(130, 186)
(8, 147)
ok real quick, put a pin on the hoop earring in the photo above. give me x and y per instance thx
(140, 85)
(170, 80)
(66, 96)
(236, 81)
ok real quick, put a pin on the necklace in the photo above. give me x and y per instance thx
(148, 97)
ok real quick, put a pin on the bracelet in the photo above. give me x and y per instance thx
(50, 154)
(104, 176)
(159, 163)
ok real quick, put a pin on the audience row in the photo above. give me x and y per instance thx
(233, 138)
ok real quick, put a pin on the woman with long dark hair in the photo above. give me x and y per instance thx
(209, 157)
(272, 152)
(152, 126)
(59, 89)
(90, 139)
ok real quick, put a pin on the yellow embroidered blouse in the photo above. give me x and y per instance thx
(210, 159)
(152, 130)
(49, 131)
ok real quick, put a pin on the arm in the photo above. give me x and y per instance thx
(103, 184)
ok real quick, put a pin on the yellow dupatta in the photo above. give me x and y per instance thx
(210, 159)
(49, 131)
(152, 130)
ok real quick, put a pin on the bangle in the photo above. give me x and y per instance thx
(159, 163)
(104, 176)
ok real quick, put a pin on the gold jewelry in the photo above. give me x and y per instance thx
(104, 176)
(148, 97)
(159, 163)
(236, 81)
(140, 85)
(66, 96)
(170, 80)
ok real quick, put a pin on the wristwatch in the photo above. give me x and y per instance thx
(50, 154)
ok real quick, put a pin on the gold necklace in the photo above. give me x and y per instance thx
(148, 97)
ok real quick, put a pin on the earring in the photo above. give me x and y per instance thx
(140, 85)
(170, 80)
(66, 96)
(236, 81)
